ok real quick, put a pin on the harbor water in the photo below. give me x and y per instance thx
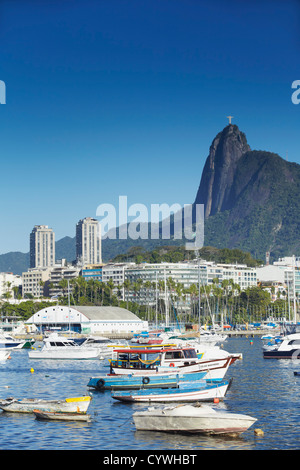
(264, 389)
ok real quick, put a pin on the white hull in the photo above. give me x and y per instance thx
(215, 368)
(4, 354)
(58, 347)
(65, 353)
(27, 405)
(192, 419)
(42, 415)
(206, 394)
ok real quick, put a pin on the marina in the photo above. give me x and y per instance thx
(266, 390)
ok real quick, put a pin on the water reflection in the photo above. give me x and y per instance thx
(265, 389)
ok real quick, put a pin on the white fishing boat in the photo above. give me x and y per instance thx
(196, 418)
(58, 416)
(59, 347)
(159, 360)
(27, 405)
(105, 345)
(4, 354)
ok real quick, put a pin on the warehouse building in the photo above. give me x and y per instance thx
(106, 321)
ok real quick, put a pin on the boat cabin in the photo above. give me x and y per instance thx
(152, 358)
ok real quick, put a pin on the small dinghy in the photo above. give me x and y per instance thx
(27, 405)
(48, 415)
(192, 419)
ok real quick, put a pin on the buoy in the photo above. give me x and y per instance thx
(251, 342)
(31, 370)
(216, 400)
(9, 357)
(258, 432)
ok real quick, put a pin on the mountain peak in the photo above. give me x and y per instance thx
(225, 151)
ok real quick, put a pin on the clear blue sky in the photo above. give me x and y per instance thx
(124, 97)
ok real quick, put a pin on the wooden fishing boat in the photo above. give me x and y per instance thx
(182, 359)
(196, 418)
(52, 415)
(135, 382)
(190, 392)
(27, 405)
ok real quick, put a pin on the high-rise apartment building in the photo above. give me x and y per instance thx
(88, 241)
(42, 247)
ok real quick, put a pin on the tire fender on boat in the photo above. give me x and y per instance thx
(145, 380)
(100, 383)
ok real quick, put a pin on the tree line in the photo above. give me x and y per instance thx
(218, 301)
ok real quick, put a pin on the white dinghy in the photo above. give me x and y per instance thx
(192, 419)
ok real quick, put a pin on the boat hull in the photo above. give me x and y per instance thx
(4, 354)
(63, 353)
(136, 382)
(206, 422)
(277, 354)
(193, 393)
(69, 405)
(43, 415)
(215, 369)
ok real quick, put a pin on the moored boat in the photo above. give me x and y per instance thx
(192, 419)
(287, 348)
(184, 360)
(52, 415)
(201, 391)
(27, 405)
(4, 354)
(135, 382)
(59, 347)
(8, 341)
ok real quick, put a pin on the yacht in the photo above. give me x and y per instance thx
(59, 347)
(7, 341)
(287, 348)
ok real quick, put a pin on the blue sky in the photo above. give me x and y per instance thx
(124, 97)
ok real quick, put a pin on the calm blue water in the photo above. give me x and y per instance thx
(265, 389)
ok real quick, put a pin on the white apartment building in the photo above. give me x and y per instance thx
(33, 281)
(61, 270)
(88, 242)
(42, 247)
(7, 283)
(186, 274)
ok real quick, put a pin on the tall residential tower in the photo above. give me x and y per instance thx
(88, 241)
(42, 247)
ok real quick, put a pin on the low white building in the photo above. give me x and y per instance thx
(90, 320)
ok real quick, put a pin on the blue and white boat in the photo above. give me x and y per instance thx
(188, 392)
(148, 361)
(135, 382)
(7, 341)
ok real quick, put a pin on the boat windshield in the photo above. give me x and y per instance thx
(190, 353)
(61, 343)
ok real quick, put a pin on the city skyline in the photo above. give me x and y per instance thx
(113, 98)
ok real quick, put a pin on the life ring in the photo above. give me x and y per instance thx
(100, 383)
(145, 380)
(172, 364)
